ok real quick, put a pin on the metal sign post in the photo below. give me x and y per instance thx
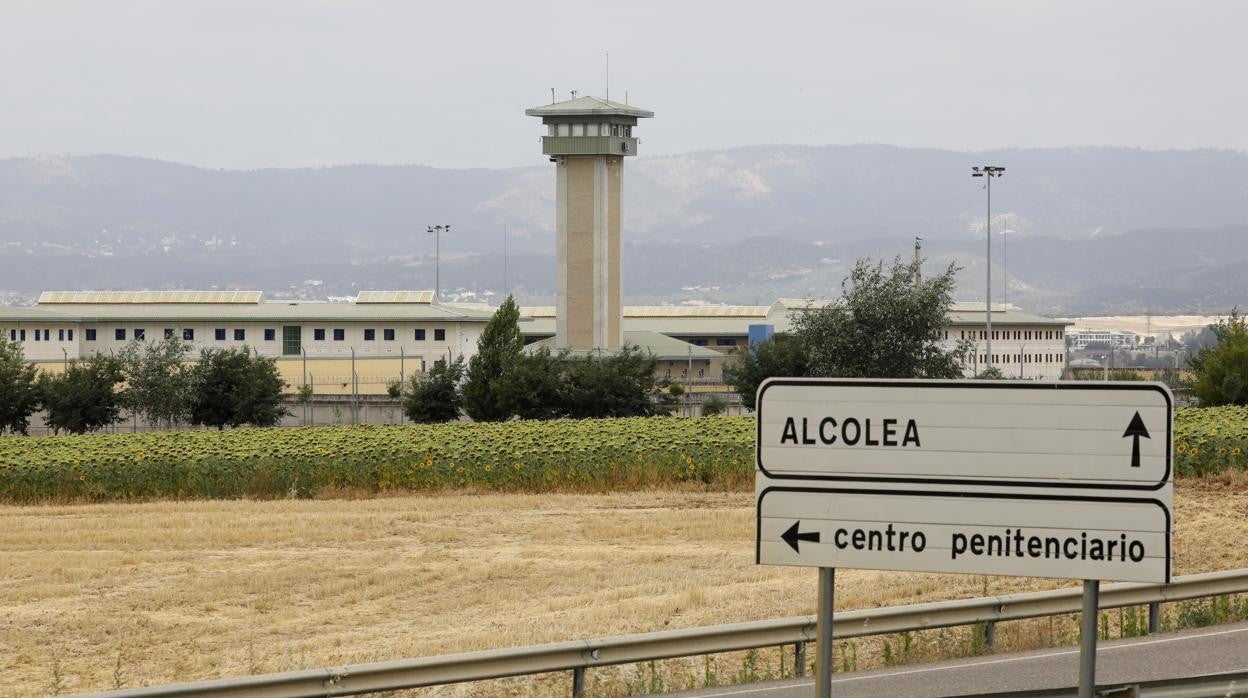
(1087, 638)
(827, 585)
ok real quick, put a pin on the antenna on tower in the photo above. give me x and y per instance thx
(608, 76)
(552, 95)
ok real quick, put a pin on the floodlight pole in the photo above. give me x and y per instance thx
(437, 256)
(988, 172)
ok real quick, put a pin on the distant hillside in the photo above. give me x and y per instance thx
(1092, 229)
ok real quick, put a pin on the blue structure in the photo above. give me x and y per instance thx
(760, 333)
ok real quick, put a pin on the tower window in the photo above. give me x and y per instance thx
(563, 129)
(578, 129)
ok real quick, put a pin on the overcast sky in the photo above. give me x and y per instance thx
(291, 83)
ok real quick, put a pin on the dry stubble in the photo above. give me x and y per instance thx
(193, 590)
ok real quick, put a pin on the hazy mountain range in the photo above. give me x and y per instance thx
(1088, 230)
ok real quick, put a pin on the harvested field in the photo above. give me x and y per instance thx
(130, 594)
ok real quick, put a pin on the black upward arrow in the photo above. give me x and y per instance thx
(791, 536)
(1136, 429)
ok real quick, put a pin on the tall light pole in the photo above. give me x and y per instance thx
(437, 256)
(988, 172)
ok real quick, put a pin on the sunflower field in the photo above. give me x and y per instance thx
(1210, 439)
(525, 456)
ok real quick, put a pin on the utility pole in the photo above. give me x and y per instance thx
(988, 172)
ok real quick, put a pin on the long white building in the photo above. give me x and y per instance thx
(383, 336)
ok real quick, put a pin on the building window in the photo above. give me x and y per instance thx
(36, 335)
(119, 334)
(387, 335)
(318, 334)
(270, 334)
(420, 335)
(60, 335)
(168, 332)
(90, 334)
(725, 342)
(71, 334)
(339, 335)
(292, 340)
(12, 335)
(140, 334)
(219, 334)
(370, 335)
(240, 335)
(698, 342)
(439, 335)
(188, 335)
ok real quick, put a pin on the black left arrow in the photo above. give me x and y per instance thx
(791, 536)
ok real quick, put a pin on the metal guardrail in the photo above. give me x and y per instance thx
(577, 656)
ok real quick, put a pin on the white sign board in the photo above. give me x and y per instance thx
(966, 432)
(1068, 480)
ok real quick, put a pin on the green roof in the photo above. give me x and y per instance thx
(589, 106)
(661, 346)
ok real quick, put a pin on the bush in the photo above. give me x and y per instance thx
(713, 405)
(434, 396)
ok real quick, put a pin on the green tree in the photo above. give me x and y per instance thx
(434, 396)
(621, 384)
(19, 386)
(85, 397)
(991, 374)
(260, 401)
(780, 355)
(158, 381)
(533, 387)
(231, 387)
(884, 326)
(1221, 371)
(498, 348)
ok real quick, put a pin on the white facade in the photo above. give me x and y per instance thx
(1080, 339)
(1035, 352)
(423, 331)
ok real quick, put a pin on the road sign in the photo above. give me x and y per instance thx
(1067, 480)
(1020, 534)
(1066, 434)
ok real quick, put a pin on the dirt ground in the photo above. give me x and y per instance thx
(98, 596)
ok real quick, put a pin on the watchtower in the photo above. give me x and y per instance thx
(588, 138)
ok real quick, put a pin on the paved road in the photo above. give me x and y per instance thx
(1218, 649)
